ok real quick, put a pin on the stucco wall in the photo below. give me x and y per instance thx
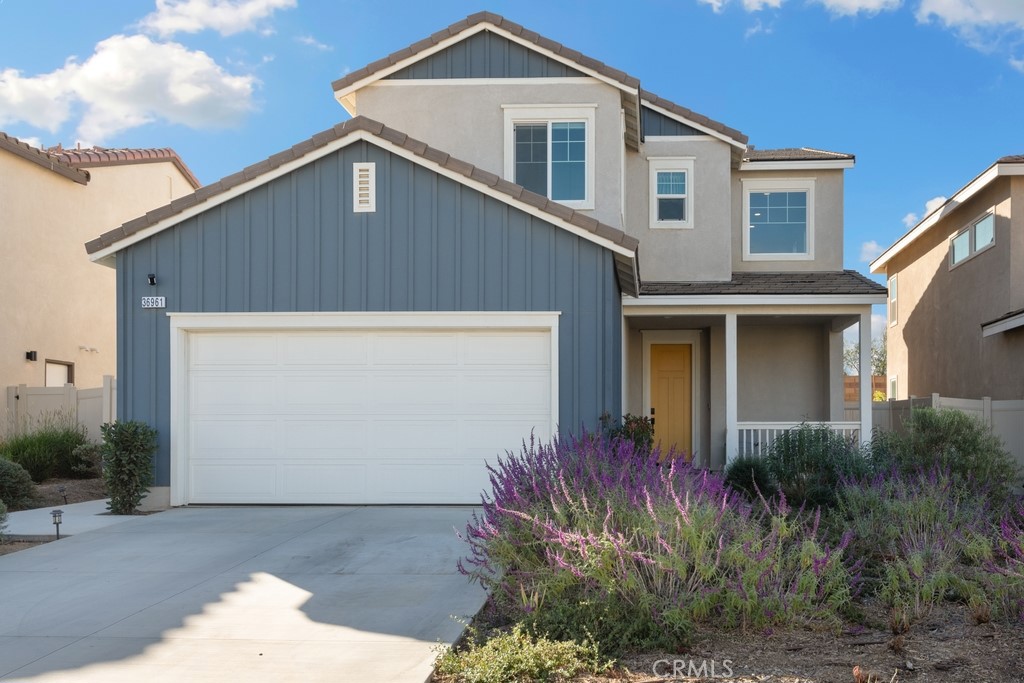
(294, 244)
(783, 373)
(698, 253)
(55, 300)
(936, 345)
(468, 122)
(828, 221)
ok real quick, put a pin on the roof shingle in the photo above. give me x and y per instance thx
(795, 154)
(830, 282)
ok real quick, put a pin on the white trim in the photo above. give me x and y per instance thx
(330, 148)
(548, 80)
(731, 300)
(662, 164)
(364, 187)
(972, 251)
(693, 124)
(797, 165)
(865, 376)
(1004, 325)
(681, 138)
(686, 337)
(962, 195)
(184, 324)
(554, 113)
(750, 185)
(732, 433)
(892, 300)
(342, 94)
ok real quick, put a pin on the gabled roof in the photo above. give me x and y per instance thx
(824, 282)
(622, 245)
(794, 154)
(629, 85)
(1005, 166)
(26, 151)
(101, 156)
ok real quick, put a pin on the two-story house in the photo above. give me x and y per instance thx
(956, 293)
(508, 238)
(58, 309)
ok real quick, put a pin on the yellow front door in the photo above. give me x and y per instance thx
(672, 397)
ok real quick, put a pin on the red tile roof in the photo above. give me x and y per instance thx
(101, 156)
(26, 151)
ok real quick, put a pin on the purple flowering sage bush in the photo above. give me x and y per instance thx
(589, 538)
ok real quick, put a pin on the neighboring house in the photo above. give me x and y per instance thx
(527, 241)
(59, 323)
(956, 293)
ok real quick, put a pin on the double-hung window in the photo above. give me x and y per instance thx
(893, 313)
(671, 191)
(778, 220)
(549, 149)
(978, 236)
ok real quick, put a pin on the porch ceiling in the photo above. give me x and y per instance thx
(686, 322)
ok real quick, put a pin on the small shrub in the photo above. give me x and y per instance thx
(637, 429)
(88, 460)
(128, 449)
(751, 475)
(519, 656)
(3, 520)
(955, 442)
(810, 461)
(47, 449)
(16, 487)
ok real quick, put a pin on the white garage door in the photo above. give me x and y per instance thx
(359, 416)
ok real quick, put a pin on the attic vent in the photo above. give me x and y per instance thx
(364, 187)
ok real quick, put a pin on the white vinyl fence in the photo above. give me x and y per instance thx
(90, 407)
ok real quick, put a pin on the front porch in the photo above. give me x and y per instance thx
(723, 376)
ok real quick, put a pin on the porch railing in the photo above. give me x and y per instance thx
(757, 437)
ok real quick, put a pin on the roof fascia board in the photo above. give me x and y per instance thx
(658, 301)
(964, 194)
(797, 165)
(1004, 325)
(693, 124)
(330, 148)
(342, 94)
(549, 80)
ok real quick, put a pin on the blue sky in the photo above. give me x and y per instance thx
(926, 93)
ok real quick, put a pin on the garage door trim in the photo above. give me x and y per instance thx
(184, 324)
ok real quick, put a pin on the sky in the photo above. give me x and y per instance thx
(926, 93)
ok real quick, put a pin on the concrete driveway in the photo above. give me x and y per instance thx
(239, 593)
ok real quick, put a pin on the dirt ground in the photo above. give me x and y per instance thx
(944, 647)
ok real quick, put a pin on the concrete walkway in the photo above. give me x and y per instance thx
(239, 593)
(77, 518)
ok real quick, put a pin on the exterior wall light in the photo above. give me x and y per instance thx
(30, 355)
(151, 279)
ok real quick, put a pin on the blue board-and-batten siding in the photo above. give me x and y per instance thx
(486, 55)
(294, 244)
(656, 123)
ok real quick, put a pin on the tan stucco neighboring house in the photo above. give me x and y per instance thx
(956, 293)
(58, 309)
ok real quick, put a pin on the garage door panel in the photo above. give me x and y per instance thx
(530, 350)
(325, 350)
(220, 394)
(416, 350)
(225, 350)
(362, 416)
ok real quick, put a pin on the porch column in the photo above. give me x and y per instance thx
(865, 376)
(836, 376)
(732, 434)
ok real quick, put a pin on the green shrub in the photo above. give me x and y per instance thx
(3, 520)
(810, 461)
(955, 442)
(128, 449)
(88, 460)
(47, 449)
(519, 656)
(16, 487)
(751, 475)
(636, 429)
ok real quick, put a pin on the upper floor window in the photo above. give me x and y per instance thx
(892, 301)
(977, 236)
(778, 220)
(671, 192)
(549, 149)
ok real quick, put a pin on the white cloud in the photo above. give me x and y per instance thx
(127, 82)
(933, 203)
(716, 5)
(750, 5)
(314, 43)
(757, 28)
(849, 8)
(972, 12)
(226, 17)
(870, 250)
(1017, 64)
(910, 220)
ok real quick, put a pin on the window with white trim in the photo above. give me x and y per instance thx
(549, 149)
(671, 192)
(778, 219)
(976, 237)
(892, 301)
(892, 388)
